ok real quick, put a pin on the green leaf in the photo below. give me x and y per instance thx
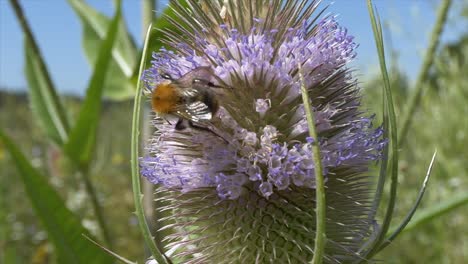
(83, 136)
(63, 227)
(45, 102)
(148, 12)
(390, 165)
(437, 210)
(118, 84)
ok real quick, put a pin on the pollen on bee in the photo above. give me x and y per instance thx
(164, 98)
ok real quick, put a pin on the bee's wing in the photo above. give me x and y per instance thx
(188, 92)
(196, 111)
(201, 73)
(194, 85)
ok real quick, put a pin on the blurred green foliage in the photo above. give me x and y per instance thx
(440, 123)
(76, 147)
(110, 173)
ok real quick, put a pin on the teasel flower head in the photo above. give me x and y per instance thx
(247, 192)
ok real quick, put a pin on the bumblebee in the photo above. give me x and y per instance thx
(190, 98)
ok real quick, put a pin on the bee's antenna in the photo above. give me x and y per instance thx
(209, 84)
(212, 85)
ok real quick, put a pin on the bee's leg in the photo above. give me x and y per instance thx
(167, 121)
(182, 124)
(196, 126)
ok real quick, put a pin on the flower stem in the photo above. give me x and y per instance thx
(320, 236)
(137, 195)
(97, 208)
(423, 74)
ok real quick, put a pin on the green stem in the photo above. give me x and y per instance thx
(423, 74)
(137, 195)
(97, 209)
(320, 236)
(5, 227)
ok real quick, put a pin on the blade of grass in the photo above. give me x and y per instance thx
(320, 236)
(423, 74)
(435, 211)
(410, 214)
(80, 147)
(383, 167)
(136, 184)
(63, 227)
(108, 251)
(97, 208)
(45, 102)
(392, 166)
(379, 187)
(83, 136)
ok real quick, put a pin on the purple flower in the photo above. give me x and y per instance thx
(264, 71)
(258, 167)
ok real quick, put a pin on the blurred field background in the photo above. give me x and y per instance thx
(440, 123)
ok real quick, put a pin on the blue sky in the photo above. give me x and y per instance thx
(58, 32)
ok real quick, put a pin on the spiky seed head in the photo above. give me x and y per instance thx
(246, 194)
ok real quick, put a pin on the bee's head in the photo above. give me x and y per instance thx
(166, 76)
(163, 87)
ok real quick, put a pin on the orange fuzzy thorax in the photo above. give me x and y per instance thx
(165, 98)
